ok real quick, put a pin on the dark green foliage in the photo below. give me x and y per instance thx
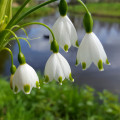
(55, 102)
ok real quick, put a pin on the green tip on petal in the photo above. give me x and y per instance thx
(107, 62)
(70, 77)
(84, 66)
(66, 48)
(60, 80)
(37, 84)
(77, 45)
(76, 62)
(27, 88)
(46, 79)
(16, 88)
(100, 65)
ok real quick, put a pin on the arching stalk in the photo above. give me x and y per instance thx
(32, 23)
(15, 37)
(10, 54)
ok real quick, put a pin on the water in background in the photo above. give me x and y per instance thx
(38, 54)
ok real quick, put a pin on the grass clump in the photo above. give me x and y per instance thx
(55, 102)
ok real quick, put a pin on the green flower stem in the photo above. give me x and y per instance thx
(84, 6)
(54, 44)
(10, 54)
(32, 23)
(17, 13)
(33, 9)
(15, 37)
(25, 39)
(17, 26)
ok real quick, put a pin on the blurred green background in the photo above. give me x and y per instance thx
(54, 102)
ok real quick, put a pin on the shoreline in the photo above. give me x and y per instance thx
(97, 15)
(105, 10)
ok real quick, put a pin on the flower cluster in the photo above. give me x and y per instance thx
(90, 49)
(63, 34)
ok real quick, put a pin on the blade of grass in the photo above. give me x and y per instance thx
(17, 13)
(34, 9)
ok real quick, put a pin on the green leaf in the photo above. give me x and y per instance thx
(8, 9)
(5, 9)
(2, 8)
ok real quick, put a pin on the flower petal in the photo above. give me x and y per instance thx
(99, 47)
(83, 54)
(71, 31)
(64, 65)
(50, 67)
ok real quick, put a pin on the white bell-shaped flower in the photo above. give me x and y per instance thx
(57, 68)
(25, 78)
(65, 33)
(91, 50)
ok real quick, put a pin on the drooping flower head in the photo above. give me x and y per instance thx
(57, 68)
(63, 29)
(90, 49)
(25, 77)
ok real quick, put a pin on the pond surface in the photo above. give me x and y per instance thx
(38, 54)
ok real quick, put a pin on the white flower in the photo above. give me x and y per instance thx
(91, 50)
(25, 78)
(65, 33)
(57, 68)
